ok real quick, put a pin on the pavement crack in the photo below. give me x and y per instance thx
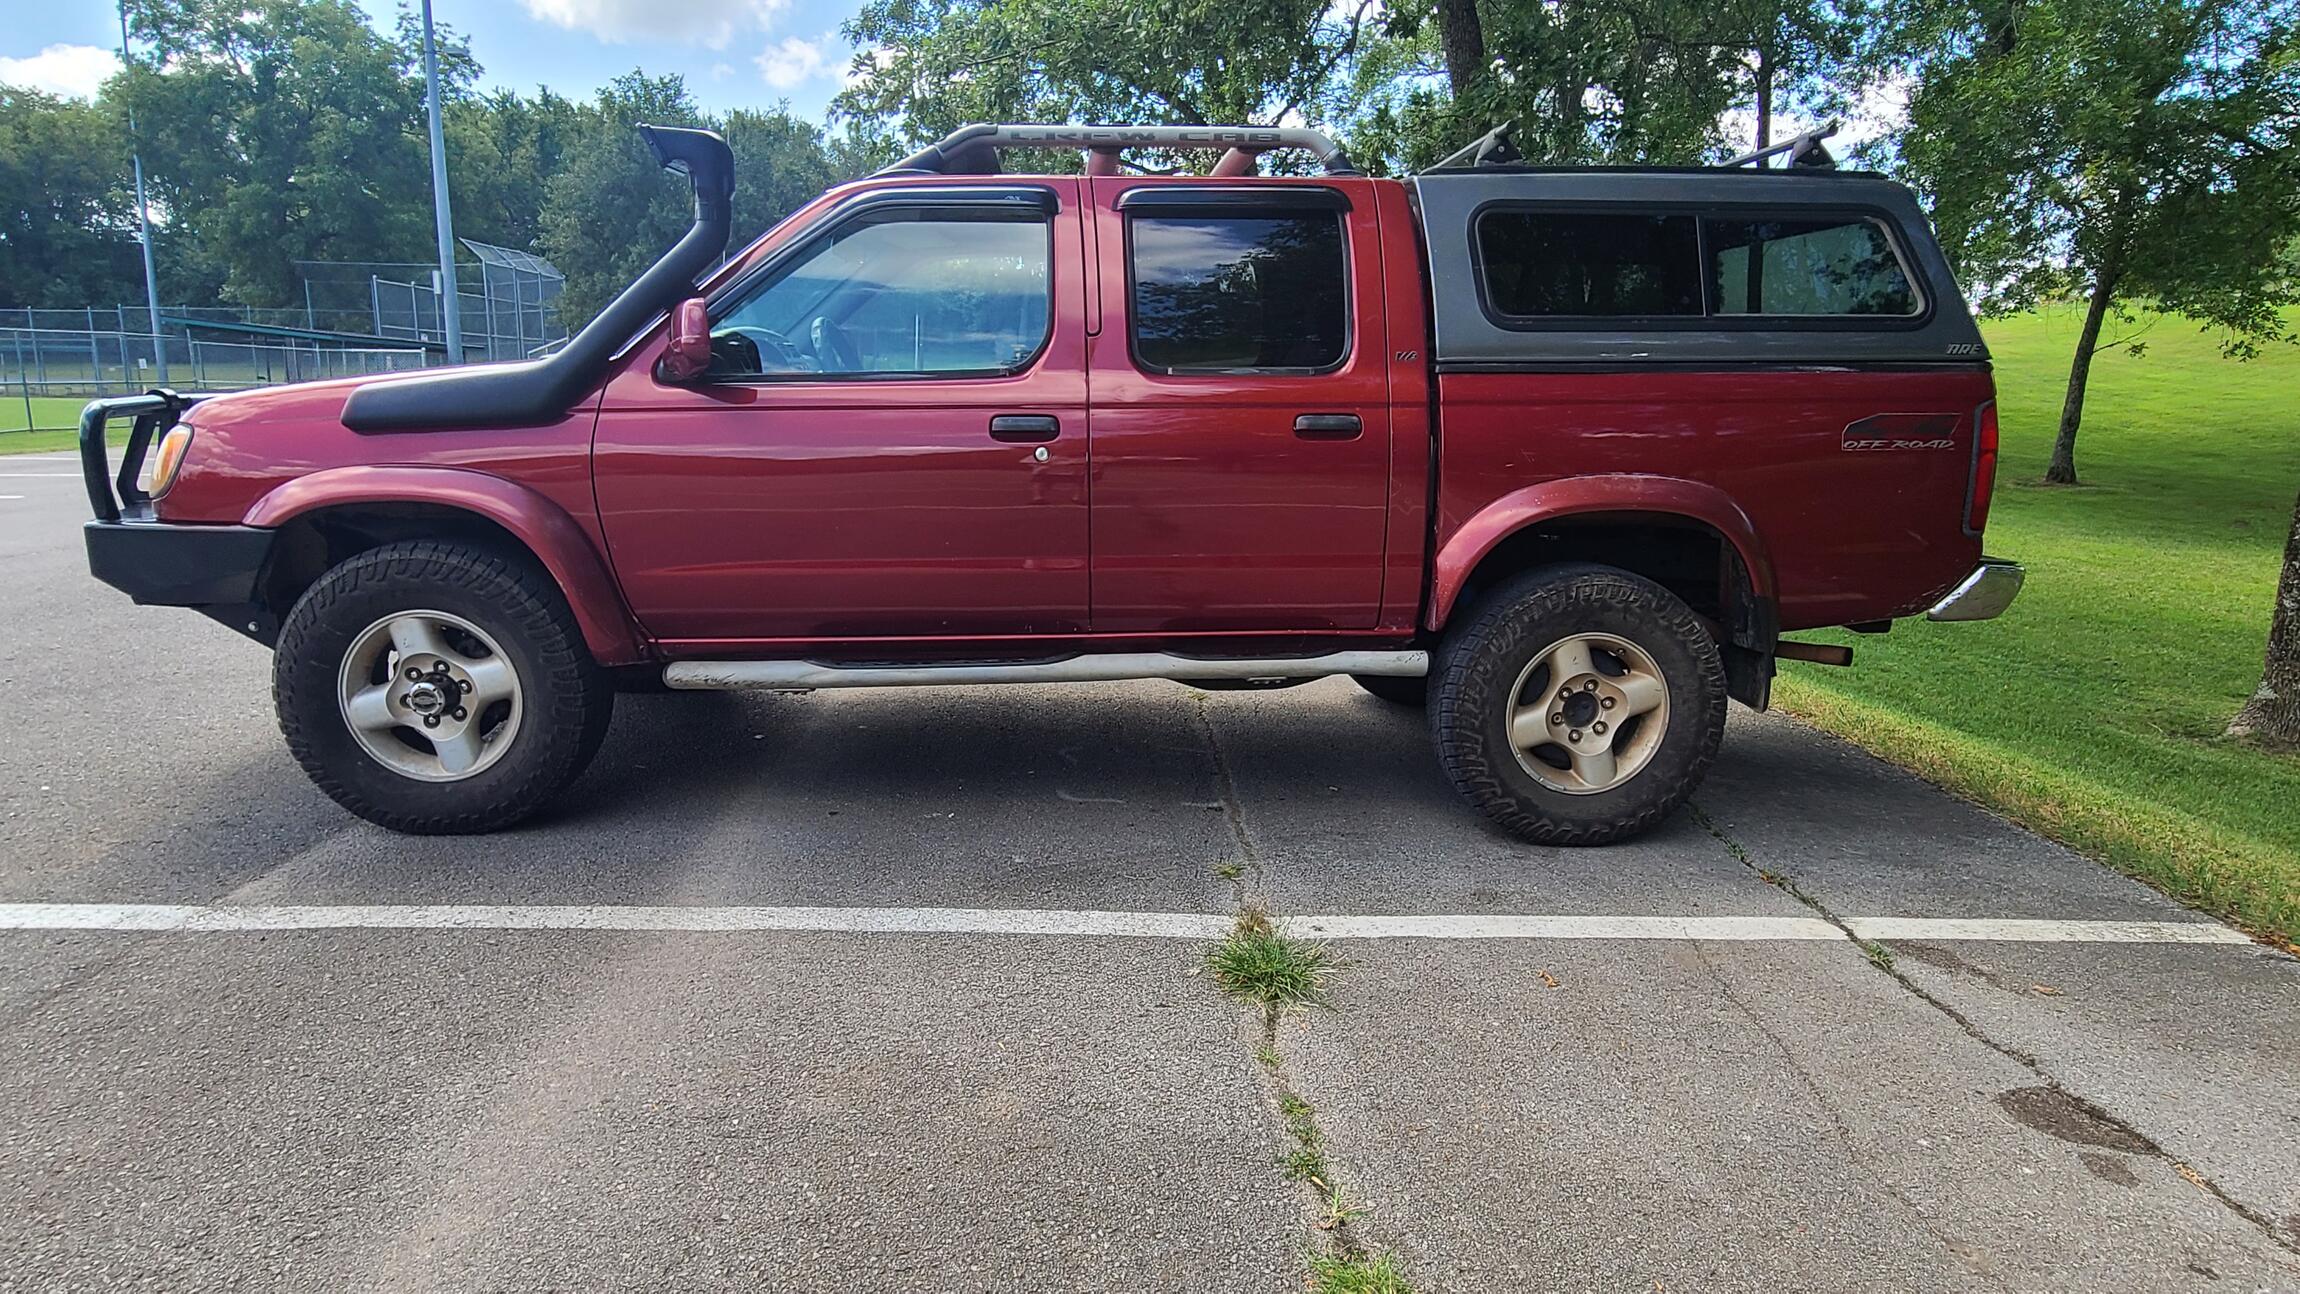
(1881, 957)
(1245, 873)
(1868, 1167)
(1270, 972)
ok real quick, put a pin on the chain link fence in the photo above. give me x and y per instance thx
(356, 317)
(47, 374)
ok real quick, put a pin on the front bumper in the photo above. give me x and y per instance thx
(1982, 595)
(215, 569)
(178, 566)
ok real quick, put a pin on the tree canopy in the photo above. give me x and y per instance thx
(2114, 152)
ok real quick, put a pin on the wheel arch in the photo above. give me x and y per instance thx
(1687, 536)
(328, 516)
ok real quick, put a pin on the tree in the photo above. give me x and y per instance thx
(67, 232)
(2273, 712)
(2119, 151)
(1595, 80)
(1809, 50)
(279, 130)
(608, 211)
(943, 63)
(502, 150)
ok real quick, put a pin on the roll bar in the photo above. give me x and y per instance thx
(974, 150)
(538, 390)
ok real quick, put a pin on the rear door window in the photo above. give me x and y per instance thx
(1552, 265)
(1245, 293)
(1830, 266)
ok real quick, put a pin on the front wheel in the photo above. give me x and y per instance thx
(1578, 705)
(435, 688)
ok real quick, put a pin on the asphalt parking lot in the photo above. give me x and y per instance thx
(1833, 1031)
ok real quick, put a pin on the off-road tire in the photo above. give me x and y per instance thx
(1487, 650)
(1412, 692)
(567, 699)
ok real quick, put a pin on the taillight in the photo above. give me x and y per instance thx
(1984, 482)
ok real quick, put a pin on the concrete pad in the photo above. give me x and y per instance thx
(801, 1112)
(2197, 1048)
(1095, 796)
(1704, 1116)
(1868, 839)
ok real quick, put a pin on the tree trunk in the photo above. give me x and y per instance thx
(1764, 98)
(1462, 39)
(2063, 468)
(2273, 713)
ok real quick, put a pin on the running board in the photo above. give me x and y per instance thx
(795, 675)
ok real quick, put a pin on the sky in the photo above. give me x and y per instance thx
(734, 53)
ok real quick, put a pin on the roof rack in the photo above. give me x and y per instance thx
(974, 150)
(1804, 152)
(1495, 148)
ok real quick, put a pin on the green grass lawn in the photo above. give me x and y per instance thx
(52, 413)
(2093, 710)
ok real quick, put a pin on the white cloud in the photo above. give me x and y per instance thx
(710, 24)
(794, 62)
(74, 71)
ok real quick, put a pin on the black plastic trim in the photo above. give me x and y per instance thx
(1166, 199)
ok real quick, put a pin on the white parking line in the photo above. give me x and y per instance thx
(194, 918)
(1507, 926)
(190, 918)
(34, 476)
(2049, 932)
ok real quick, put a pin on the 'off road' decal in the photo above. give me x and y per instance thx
(1888, 431)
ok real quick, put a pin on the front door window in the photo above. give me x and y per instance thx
(908, 293)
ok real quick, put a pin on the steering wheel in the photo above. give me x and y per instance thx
(833, 350)
(775, 353)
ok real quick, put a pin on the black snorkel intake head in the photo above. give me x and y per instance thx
(704, 158)
(539, 391)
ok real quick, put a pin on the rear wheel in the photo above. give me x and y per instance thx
(437, 688)
(1578, 705)
(1397, 691)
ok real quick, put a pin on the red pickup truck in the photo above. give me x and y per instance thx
(1558, 454)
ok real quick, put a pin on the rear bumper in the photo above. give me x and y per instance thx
(1982, 595)
(178, 566)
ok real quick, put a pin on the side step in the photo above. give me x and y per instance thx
(795, 675)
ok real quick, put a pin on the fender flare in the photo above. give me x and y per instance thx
(1659, 496)
(553, 536)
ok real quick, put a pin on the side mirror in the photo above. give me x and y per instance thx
(688, 356)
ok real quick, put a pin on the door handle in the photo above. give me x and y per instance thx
(1328, 426)
(1024, 428)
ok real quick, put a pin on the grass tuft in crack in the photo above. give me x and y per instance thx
(1307, 1161)
(1356, 1274)
(1258, 964)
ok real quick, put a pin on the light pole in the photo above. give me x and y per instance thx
(144, 228)
(450, 304)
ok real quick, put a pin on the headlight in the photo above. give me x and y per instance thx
(168, 459)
